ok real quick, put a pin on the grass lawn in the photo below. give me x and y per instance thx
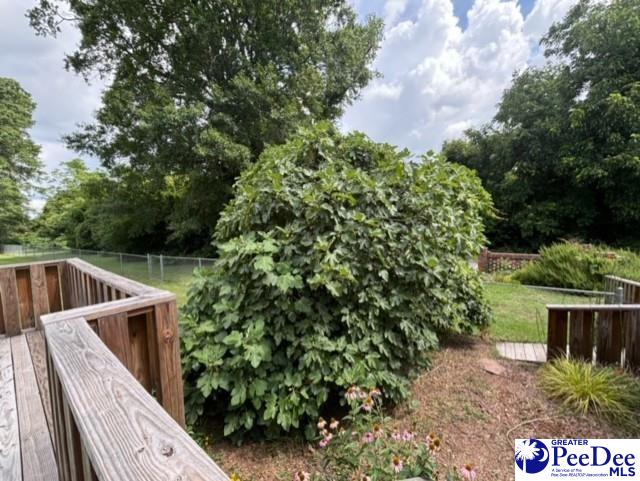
(519, 313)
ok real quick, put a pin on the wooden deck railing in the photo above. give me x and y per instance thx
(610, 333)
(113, 364)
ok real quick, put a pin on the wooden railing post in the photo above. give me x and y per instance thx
(609, 346)
(169, 365)
(557, 334)
(581, 335)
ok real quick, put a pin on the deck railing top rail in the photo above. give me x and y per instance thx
(122, 432)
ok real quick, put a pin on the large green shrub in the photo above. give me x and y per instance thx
(578, 266)
(339, 263)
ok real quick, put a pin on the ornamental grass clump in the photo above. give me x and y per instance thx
(585, 388)
(340, 262)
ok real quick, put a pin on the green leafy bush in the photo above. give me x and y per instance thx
(339, 264)
(586, 388)
(578, 266)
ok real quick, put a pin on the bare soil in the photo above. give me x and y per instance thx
(477, 414)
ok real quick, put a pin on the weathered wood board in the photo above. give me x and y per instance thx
(10, 462)
(131, 436)
(38, 460)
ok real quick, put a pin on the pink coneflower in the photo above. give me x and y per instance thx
(378, 431)
(301, 476)
(367, 405)
(408, 435)
(396, 462)
(375, 392)
(333, 424)
(368, 438)
(321, 423)
(326, 440)
(468, 472)
(353, 393)
(396, 436)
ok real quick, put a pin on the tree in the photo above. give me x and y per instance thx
(19, 161)
(200, 88)
(120, 210)
(562, 156)
(340, 262)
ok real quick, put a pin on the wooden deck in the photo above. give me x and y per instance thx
(523, 351)
(26, 424)
(91, 380)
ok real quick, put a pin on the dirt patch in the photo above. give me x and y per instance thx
(477, 413)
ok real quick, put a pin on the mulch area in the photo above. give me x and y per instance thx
(478, 414)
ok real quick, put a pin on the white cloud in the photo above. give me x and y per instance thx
(440, 79)
(63, 99)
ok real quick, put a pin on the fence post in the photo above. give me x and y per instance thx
(121, 266)
(149, 269)
(619, 298)
(200, 262)
(161, 269)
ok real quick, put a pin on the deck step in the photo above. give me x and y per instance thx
(523, 351)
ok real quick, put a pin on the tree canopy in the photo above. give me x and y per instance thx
(562, 155)
(198, 89)
(19, 158)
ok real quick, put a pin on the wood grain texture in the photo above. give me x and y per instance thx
(114, 332)
(126, 433)
(39, 291)
(25, 298)
(2, 327)
(60, 441)
(110, 308)
(65, 286)
(581, 335)
(139, 365)
(10, 462)
(74, 447)
(609, 347)
(557, 334)
(38, 460)
(632, 340)
(9, 290)
(169, 366)
(123, 284)
(35, 340)
(52, 274)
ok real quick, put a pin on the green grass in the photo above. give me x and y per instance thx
(177, 278)
(519, 313)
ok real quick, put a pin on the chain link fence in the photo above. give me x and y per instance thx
(136, 266)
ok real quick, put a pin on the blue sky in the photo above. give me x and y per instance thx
(444, 66)
(460, 9)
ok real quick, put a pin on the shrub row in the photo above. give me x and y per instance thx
(578, 266)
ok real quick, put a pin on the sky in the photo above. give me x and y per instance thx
(444, 66)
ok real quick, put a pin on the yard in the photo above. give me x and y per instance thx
(469, 397)
(519, 312)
